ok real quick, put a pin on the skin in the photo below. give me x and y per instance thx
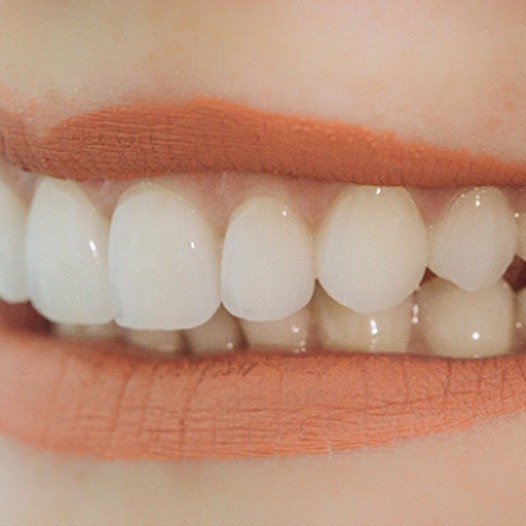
(450, 74)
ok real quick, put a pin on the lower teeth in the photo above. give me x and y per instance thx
(439, 319)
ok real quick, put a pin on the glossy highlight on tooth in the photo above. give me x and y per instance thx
(209, 135)
(240, 270)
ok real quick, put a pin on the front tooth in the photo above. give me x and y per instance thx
(164, 261)
(267, 267)
(106, 331)
(371, 249)
(168, 342)
(475, 241)
(466, 324)
(66, 255)
(13, 219)
(219, 334)
(342, 328)
(292, 332)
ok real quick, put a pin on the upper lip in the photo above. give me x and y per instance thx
(78, 398)
(212, 135)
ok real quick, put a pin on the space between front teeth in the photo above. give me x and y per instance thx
(475, 241)
(13, 219)
(371, 250)
(339, 327)
(464, 324)
(267, 268)
(163, 261)
(66, 255)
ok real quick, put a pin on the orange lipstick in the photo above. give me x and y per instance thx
(94, 400)
(88, 399)
(211, 135)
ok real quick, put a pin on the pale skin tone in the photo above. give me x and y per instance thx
(450, 74)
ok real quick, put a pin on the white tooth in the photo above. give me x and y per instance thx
(164, 261)
(466, 324)
(475, 241)
(13, 218)
(385, 331)
(267, 267)
(66, 255)
(221, 333)
(163, 341)
(291, 332)
(73, 330)
(371, 250)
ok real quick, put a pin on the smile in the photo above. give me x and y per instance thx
(254, 302)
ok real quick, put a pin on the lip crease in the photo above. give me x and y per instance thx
(94, 400)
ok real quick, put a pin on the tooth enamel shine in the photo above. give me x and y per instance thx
(475, 241)
(163, 260)
(371, 250)
(464, 324)
(267, 270)
(342, 328)
(66, 255)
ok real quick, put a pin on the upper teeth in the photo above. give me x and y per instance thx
(372, 248)
(159, 263)
(163, 261)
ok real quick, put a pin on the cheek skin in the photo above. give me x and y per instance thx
(449, 74)
(385, 74)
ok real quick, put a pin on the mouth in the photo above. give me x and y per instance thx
(289, 290)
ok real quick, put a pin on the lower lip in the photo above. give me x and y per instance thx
(94, 400)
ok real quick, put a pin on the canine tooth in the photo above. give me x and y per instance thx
(66, 255)
(464, 324)
(267, 266)
(164, 261)
(163, 341)
(220, 333)
(340, 327)
(13, 219)
(371, 250)
(292, 331)
(475, 241)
